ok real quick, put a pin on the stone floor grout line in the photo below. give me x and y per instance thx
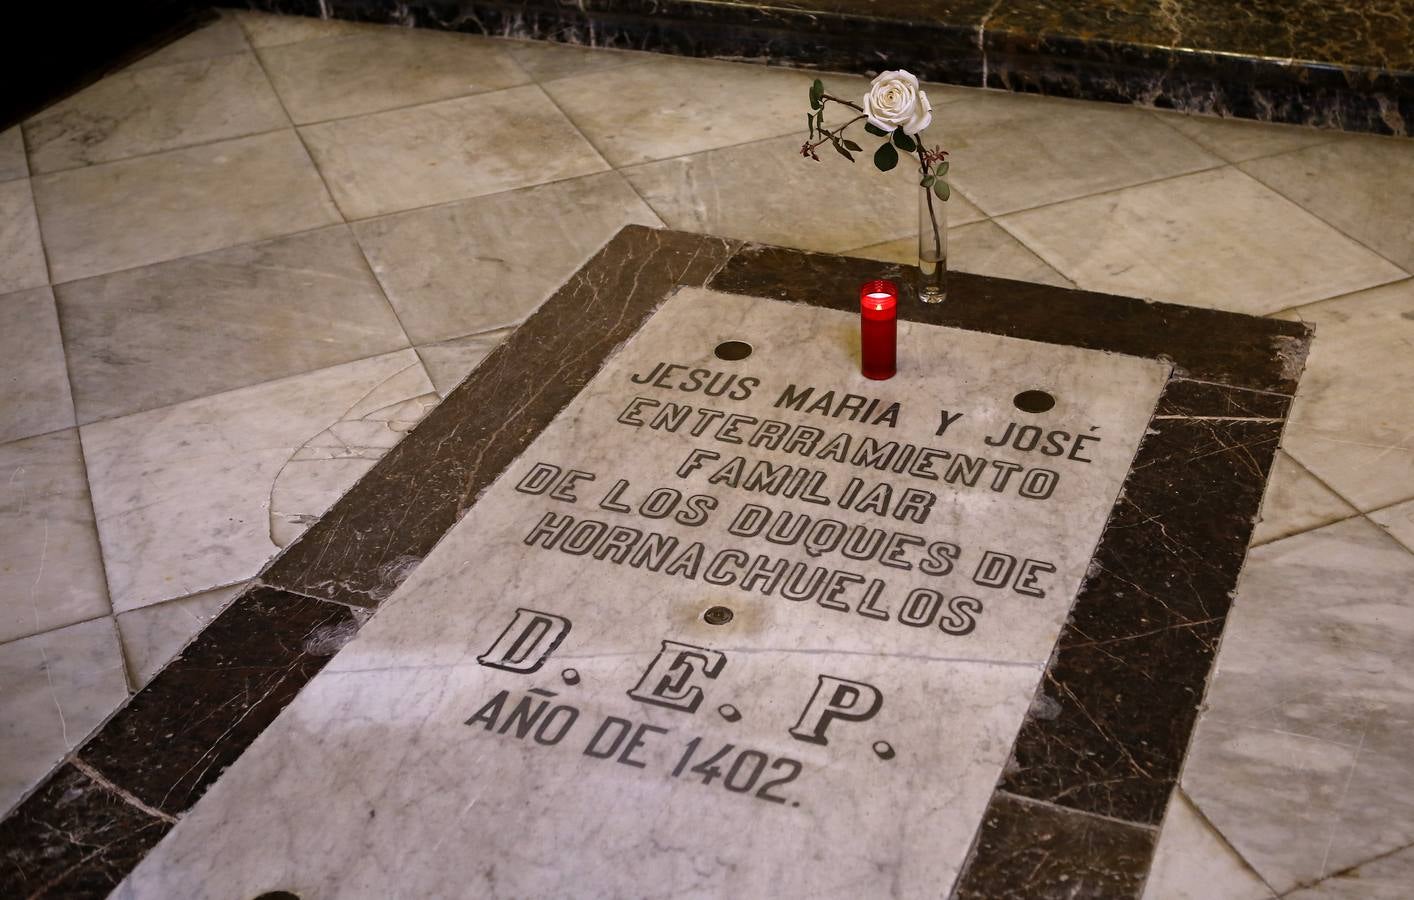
(1000, 791)
(1203, 817)
(1347, 870)
(150, 153)
(1166, 116)
(1301, 306)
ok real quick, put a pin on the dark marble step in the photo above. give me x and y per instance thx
(1348, 67)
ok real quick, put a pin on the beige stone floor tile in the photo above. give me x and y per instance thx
(217, 39)
(33, 378)
(142, 111)
(1398, 520)
(51, 573)
(201, 494)
(161, 334)
(385, 68)
(1352, 423)
(765, 191)
(1361, 184)
(1386, 877)
(983, 248)
(153, 635)
(268, 30)
(673, 106)
(103, 218)
(12, 154)
(449, 362)
(547, 60)
(59, 686)
(1238, 140)
(21, 253)
(1191, 862)
(1301, 757)
(452, 150)
(1296, 501)
(1216, 239)
(1016, 151)
(489, 262)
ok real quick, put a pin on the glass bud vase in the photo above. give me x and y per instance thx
(932, 277)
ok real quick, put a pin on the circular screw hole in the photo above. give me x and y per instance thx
(733, 350)
(1034, 401)
(729, 712)
(571, 676)
(717, 615)
(278, 895)
(884, 750)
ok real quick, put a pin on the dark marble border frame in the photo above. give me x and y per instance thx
(1092, 767)
(980, 43)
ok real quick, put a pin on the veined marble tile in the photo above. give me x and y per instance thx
(152, 635)
(203, 493)
(1015, 151)
(489, 262)
(267, 30)
(33, 378)
(983, 248)
(1296, 501)
(682, 106)
(21, 254)
(152, 109)
(1217, 239)
(1351, 422)
(12, 154)
(449, 362)
(1385, 877)
(1360, 184)
(118, 215)
(547, 60)
(900, 789)
(385, 68)
(58, 687)
(222, 37)
(452, 150)
(51, 573)
(1398, 520)
(1238, 140)
(1301, 759)
(158, 335)
(767, 192)
(1193, 863)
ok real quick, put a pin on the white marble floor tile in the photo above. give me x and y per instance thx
(767, 192)
(222, 37)
(33, 379)
(268, 30)
(1398, 520)
(385, 68)
(1016, 151)
(160, 334)
(58, 687)
(672, 106)
(1217, 239)
(449, 362)
(452, 150)
(1359, 183)
(118, 215)
(1387, 877)
(148, 110)
(12, 154)
(1191, 862)
(1296, 501)
(203, 493)
(547, 60)
(1353, 420)
(488, 262)
(21, 254)
(1301, 758)
(983, 248)
(152, 635)
(1238, 140)
(51, 572)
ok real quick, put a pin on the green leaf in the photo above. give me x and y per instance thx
(940, 187)
(843, 152)
(927, 181)
(853, 146)
(904, 142)
(874, 130)
(817, 94)
(941, 169)
(886, 157)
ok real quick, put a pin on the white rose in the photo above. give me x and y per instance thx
(894, 101)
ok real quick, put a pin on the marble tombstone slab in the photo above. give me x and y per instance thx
(738, 627)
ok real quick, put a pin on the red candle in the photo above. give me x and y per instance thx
(878, 329)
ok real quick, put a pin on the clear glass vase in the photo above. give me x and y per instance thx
(932, 277)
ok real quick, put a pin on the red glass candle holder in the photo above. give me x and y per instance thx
(878, 329)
